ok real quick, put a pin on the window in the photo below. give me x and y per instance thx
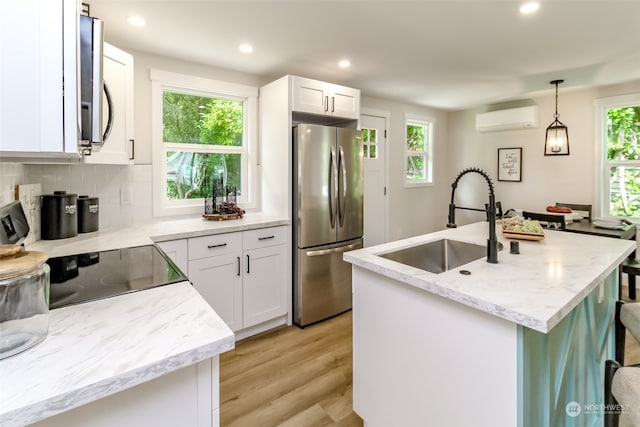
(418, 151)
(202, 130)
(370, 143)
(618, 136)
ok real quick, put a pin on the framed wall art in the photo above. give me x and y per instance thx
(510, 164)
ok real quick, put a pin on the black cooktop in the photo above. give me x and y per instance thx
(91, 276)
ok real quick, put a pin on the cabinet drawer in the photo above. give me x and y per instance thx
(263, 237)
(214, 245)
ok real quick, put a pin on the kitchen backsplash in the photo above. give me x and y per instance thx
(124, 192)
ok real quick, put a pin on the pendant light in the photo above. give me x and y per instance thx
(556, 142)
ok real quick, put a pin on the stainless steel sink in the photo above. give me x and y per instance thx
(438, 256)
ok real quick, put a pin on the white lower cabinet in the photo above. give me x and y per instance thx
(242, 275)
(177, 251)
(188, 397)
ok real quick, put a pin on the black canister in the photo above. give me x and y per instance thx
(58, 215)
(88, 209)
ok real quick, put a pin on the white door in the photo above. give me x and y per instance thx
(374, 131)
(219, 280)
(264, 286)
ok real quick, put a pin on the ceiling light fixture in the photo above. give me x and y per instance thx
(556, 142)
(136, 21)
(529, 8)
(345, 63)
(246, 48)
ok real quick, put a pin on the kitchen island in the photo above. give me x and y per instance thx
(510, 344)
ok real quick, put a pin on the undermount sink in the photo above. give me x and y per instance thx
(438, 256)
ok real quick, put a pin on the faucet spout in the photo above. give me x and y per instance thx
(492, 241)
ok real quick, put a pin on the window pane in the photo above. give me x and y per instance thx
(415, 138)
(190, 175)
(196, 119)
(623, 133)
(625, 191)
(415, 168)
(365, 134)
(372, 152)
(373, 135)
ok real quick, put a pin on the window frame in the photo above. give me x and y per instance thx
(162, 81)
(427, 153)
(602, 194)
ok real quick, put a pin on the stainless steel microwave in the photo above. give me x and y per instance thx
(92, 86)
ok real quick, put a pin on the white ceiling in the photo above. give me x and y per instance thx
(450, 54)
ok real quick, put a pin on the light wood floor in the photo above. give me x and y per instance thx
(296, 377)
(290, 377)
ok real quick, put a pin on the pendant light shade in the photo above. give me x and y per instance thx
(556, 142)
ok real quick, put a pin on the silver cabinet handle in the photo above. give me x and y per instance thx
(216, 246)
(266, 238)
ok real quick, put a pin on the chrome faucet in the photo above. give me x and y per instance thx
(492, 242)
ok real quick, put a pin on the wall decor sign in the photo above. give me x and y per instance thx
(510, 164)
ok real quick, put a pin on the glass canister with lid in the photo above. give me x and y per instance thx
(24, 299)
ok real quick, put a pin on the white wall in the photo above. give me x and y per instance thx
(545, 180)
(414, 211)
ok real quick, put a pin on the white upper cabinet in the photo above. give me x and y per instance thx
(118, 148)
(39, 79)
(316, 97)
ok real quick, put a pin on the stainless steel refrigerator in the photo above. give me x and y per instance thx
(328, 218)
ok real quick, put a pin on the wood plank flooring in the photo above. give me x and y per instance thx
(294, 377)
(290, 377)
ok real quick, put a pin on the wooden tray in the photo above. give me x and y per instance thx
(522, 236)
(220, 217)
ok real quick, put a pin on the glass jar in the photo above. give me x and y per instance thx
(24, 303)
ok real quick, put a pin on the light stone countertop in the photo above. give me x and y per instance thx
(101, 347)
(535, 289)
(155, 231)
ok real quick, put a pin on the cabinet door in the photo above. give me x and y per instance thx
(177, 251)
(344, 102)
(38, 46)
(219, 280)
(118, 76)
(264, 284)
(309, 96)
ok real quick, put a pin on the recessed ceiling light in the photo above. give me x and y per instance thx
(530, 7)
(246, 48)
(136, 20)
(345, 63)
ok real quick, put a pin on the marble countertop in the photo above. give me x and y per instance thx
(535, 289)
(101, 347)
(155, 231)
(98, 348)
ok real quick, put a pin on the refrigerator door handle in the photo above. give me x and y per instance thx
(333, 188)
(323, 252)
(342, 201)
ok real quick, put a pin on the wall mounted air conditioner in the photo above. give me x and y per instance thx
(513, 118)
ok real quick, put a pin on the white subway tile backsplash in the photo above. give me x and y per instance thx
(11, 174)
(103, 181)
